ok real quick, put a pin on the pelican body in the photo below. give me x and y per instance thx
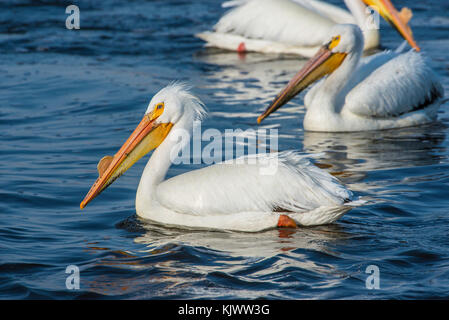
(232, 195)
(384, 91)
(299, 26)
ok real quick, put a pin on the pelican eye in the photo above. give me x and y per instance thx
(334, 42)
(158, 110)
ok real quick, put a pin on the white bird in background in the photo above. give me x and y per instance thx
(384, 91)
(299, 26)
(244, 195)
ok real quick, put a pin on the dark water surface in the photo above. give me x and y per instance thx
(70, 97)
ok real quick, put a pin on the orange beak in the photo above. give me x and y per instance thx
(147, 136)
(324, 62)
(398, 20)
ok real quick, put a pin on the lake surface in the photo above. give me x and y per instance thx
(69, 97)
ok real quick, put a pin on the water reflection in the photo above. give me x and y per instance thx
(248, 78)
(175, 260)
(350, 156)
(236, 244)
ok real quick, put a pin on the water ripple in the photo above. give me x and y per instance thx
(70, 97)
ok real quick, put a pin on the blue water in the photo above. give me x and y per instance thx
(69, 97)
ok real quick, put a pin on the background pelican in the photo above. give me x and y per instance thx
(384, 91)
(299, 26)
(231, 195)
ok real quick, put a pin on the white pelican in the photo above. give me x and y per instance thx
(299, 26)
(384, 91)
(230, 195)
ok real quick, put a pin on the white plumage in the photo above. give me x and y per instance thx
(285, 26)
(240, 197)
(403, 83)
(277, 21)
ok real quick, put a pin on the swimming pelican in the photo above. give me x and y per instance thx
(299, 26)
(235, 195)
(384, 91)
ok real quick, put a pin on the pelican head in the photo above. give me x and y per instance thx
(343, 40)
(171, 106)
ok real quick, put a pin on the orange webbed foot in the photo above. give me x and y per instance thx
(286, 222)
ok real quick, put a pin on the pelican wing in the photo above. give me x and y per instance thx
(278, 21)
(390, 85)
(332, 12)
(263, 183)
